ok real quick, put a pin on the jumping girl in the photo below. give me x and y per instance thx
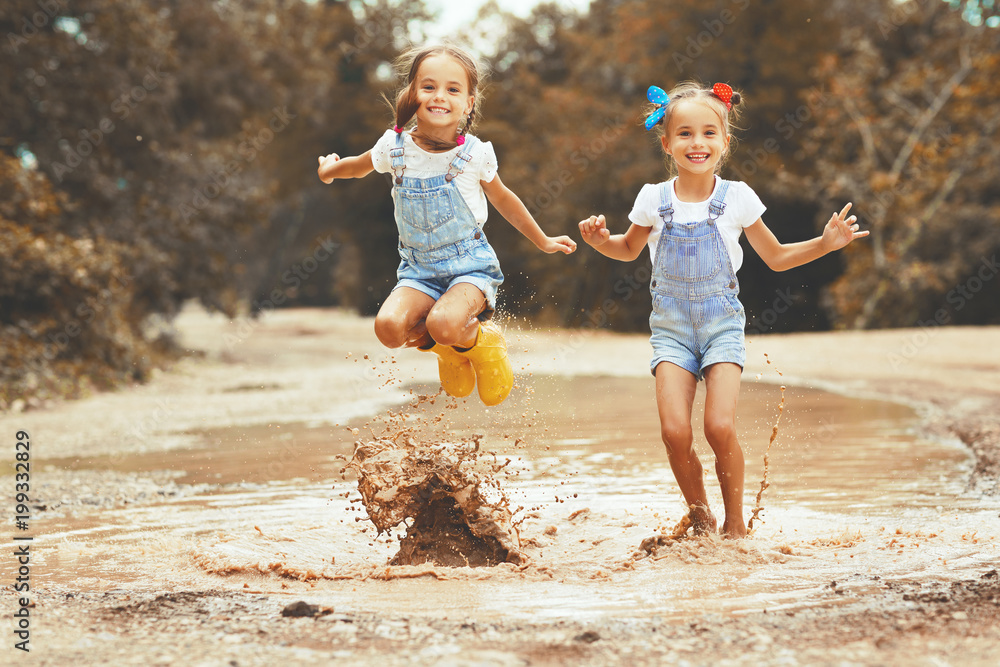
(448, 273)
(692, 225)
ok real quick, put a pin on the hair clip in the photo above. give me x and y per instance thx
(725, 93)
(460, 140)
(659, 97)
(397, 129)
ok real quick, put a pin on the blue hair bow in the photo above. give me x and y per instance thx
(657, 96)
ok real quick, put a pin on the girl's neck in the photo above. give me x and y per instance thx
(438, 140)
(694, 188)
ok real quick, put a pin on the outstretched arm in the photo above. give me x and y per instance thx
(839, 231)
(624, 247)
(332, 166)
(516, 213)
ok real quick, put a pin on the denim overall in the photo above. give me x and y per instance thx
(697, 318)
(440, 243)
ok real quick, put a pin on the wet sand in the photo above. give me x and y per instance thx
(309, 367)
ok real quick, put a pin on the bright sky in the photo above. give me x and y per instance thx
(452, 15)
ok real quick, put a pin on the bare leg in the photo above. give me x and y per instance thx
(400, 320)
(722, 383)
(452, 320)
(675, 390)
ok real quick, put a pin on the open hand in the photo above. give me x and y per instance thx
(594, 231)
(563, 244)
(841, 230)
(325, 162)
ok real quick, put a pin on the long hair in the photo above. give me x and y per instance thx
(406, 98)
(696, 92)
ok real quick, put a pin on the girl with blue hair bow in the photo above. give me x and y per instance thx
(691, 224)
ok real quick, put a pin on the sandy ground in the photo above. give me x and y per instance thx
(300, 366)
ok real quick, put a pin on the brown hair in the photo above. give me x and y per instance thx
(406, 100)
(696, 92)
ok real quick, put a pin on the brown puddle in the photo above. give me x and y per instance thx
(853, 494)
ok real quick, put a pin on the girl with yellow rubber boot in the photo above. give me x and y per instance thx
(448, 273)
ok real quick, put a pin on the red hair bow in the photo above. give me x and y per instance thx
(725, 93)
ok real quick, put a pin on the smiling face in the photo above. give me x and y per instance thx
(695, 138)
(441, 88)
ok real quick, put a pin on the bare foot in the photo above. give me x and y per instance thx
(734, 530)
(702, 520)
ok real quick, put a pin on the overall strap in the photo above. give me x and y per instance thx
(666, 209)
(718, 204)
(398, 162)
(461, 160)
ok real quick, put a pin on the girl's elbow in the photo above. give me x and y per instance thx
(631, 253)
(777, 261)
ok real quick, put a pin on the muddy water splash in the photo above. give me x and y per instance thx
(758, 508)
(449, 492)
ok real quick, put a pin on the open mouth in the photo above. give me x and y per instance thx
(697, 157)
(438, 110)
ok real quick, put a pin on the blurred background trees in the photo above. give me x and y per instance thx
(153, 153)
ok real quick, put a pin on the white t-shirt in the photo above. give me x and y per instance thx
(421, 164)
(743, 208)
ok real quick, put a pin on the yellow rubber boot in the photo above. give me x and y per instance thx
(494, 375)
(458, 379)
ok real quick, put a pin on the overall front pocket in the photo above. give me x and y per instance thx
(690, 259)
(426, 211)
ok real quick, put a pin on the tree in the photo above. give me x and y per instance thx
(910, 139)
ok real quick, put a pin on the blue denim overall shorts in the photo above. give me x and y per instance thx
(697, 317)
(440, 243)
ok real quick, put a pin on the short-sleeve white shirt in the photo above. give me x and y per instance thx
(743, 208)
(422, 164)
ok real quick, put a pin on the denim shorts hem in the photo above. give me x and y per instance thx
(485, 285)
(429, 290)
(724, 356)
(687, 364)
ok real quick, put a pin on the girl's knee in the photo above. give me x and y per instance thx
(446, 329)
(720, 430)
(390, 330)
(677, 437)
